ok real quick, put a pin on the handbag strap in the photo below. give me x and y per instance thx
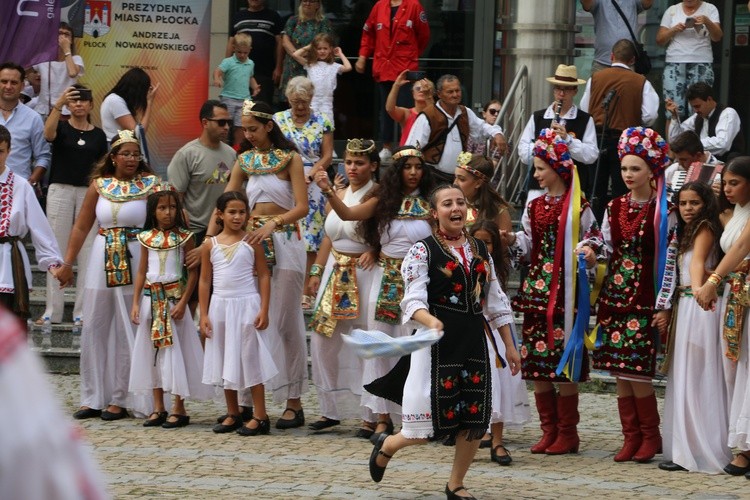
(622, 15)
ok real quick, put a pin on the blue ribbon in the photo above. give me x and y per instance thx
(572, 356)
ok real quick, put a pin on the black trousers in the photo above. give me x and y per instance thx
(609, 172)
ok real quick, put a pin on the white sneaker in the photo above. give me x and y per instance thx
(385, 156)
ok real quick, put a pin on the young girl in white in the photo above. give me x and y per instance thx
(236, 355)
(695, 405)
(167, 354)
(319, 59)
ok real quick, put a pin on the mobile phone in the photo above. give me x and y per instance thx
(341, 170)
(689, 22)
(413, 76)
(85, 95)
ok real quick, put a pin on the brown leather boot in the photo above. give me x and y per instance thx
(648, 417)
(567, 433)
(547, 408)
(630, 429)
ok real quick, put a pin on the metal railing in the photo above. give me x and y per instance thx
(510, 178)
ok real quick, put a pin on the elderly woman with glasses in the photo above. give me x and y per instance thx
(299, 31)
(423, 92)
(312, 134)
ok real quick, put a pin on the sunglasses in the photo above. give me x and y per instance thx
(493, 111)
(221, 122)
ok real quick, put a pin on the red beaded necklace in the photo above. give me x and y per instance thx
(630, 227)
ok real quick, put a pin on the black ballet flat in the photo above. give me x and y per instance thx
(376, 471)
(246, 414)
(388, 430)
(451, 494)
(735, 470)
(85, 413)
(486, 443)
(110, 416)
(500, 459)
(161, 417)
(223, 429)
(671, 467)
(182, 421)
(264, 427)
(319, 425)
(291, 423)
(364, 432)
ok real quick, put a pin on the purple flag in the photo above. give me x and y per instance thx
(30, 31)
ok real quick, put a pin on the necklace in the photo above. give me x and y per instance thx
(81, 141)
(632, 227)
(448, 237)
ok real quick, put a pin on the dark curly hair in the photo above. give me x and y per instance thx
(390, 194)
(708, 217)
(277, 137)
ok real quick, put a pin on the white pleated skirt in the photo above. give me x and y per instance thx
(510, 399)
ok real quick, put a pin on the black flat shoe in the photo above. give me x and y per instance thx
(486, 443)
(291, 423)
(319, 425)
(246, 414)
(182, 421)
(264, 427)
(449, 441)
(109, 416)
(223, 429)
(451, 494)
(671, 466)
(84, 413)
(500, 459)
(161, 417)
(364, 433)
(734, 470)
(376, 471)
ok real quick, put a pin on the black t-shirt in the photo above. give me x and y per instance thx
(263, 26)
(74, 154)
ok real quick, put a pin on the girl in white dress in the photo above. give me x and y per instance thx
(236, 353)
(319, 59)
(167, 355)
(695, 408)
(116, 200)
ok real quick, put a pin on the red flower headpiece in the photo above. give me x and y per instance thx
(646, 144)
(554, 151)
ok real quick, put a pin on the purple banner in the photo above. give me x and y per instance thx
(29, 35)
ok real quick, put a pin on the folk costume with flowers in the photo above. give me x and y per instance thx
(635, 234)
(285, 252)
(550, 233)
(446, 388)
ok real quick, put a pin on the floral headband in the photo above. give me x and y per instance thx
(360, 147)
(463, 163)
(164, 187)
(124, 137)
(554, 151)
(413, 152)
(648, 145)
(247, 109)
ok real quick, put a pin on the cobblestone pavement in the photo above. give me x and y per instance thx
(193, 462)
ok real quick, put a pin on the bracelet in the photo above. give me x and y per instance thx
(714, 279)
(328, 193)
(316, 271)
(278, 220)
(68, 54)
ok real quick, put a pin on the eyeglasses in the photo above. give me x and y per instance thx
(127, 156)
(493, 111)
(221, 122)
(563, 89)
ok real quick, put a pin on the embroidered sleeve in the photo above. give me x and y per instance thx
(669, 284)
(414, 270)
(591, 235)
(520, 251)
(497, 306)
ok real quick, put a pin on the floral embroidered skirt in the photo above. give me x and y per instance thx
(629, 344)
(539, 360)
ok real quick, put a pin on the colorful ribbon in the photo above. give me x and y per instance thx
(572, 357)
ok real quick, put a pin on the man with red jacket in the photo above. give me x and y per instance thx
(395, 34)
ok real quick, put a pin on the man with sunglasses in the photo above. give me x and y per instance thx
(574, 126)
(200, 170)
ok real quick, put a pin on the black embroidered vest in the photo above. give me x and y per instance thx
(738, 143)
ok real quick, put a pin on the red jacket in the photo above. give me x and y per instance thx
(397, 49)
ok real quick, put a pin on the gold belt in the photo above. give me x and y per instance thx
(116, 254)
(161, 294)
(388, 305)
(340, 299)
(257, 221)
(734, 316)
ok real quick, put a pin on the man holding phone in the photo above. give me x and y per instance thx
(395, 34)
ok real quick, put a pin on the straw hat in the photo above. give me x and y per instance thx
(566, 75)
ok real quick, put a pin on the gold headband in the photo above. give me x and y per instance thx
(356, 147)
(463, 159)
(407, 152)
(125, 136)
(164, 187)
(247, 109)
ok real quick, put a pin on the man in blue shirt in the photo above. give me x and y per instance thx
(30, 155)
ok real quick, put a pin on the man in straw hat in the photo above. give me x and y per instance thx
(617, 98)
(572, 125)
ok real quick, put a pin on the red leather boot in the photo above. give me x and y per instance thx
(648, 416)
(630, 429)
(567, 433)
(547, 408)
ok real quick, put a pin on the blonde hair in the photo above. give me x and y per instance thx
(243, 40)
(300, 86)
(317, 17)
(312, 55)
